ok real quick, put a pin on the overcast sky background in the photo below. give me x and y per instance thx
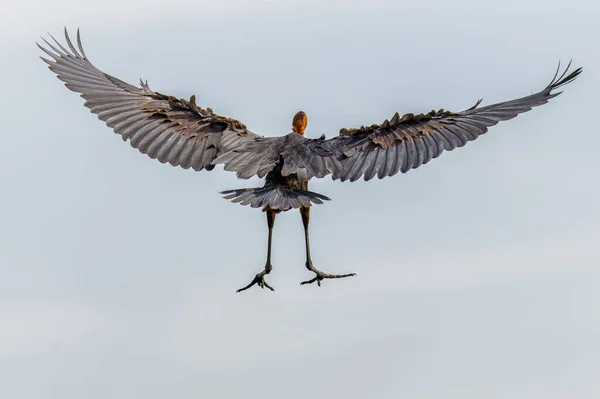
(478, 273)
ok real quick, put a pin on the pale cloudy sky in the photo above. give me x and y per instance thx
(478, 273)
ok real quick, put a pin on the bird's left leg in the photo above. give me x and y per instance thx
(305, 212)
(259, 279)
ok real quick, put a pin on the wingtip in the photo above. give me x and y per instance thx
(79, 44)
(564, 78)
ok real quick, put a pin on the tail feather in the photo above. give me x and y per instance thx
(280, 198)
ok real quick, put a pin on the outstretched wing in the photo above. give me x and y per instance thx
(407, 142)
(163, 127)
(181, 133)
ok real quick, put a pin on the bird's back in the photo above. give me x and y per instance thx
(282, 191)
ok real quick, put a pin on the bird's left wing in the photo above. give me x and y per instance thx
(163, 127)
(407, 142)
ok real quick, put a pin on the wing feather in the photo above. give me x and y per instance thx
(183, 134)
(414, 140)
(163, 127)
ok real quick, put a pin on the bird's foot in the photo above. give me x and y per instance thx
(259, 279)
(322, 276)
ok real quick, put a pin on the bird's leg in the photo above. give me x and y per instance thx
(305, 212)
(260, 277)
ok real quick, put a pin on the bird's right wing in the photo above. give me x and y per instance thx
(163, 127)
(407, 142)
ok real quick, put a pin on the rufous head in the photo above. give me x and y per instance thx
(299, 123)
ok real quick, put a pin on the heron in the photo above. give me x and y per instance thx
(182, 133)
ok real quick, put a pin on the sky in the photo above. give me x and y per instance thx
(477, 274)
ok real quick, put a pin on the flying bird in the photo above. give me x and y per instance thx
(184, 134)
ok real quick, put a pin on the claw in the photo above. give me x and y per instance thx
(259, 279)
(321, 276)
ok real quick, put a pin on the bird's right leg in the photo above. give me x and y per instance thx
(260, 277)
(305, 212)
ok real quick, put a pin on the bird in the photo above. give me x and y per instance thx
(184, 134)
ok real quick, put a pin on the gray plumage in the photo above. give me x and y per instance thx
(183, 134)
(180, 132)
(280, 197)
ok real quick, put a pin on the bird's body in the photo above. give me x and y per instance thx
(184, 134)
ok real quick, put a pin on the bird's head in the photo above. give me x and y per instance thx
(299, 123)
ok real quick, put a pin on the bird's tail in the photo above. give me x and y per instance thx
(274, 197)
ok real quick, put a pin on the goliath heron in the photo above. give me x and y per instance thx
(184, 134)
